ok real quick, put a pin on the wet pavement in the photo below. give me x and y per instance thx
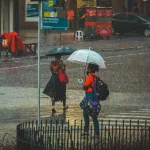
(127, 75)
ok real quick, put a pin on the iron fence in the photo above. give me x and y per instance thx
(61, 135)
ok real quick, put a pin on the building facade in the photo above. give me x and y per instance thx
(127, 5)
(8, 16)
(15, 14)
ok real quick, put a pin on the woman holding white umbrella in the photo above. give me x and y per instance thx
(88, 86)
(93, 61)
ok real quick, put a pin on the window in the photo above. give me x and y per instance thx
(132, 18)
(120, 17)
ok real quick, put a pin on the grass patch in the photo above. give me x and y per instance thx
(6, 143)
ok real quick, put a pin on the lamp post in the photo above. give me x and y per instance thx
(39, 34)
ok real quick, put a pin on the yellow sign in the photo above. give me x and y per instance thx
(50, 3)
(46, 14)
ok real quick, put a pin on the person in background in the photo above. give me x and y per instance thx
(135, 9)
(54, 88)
(53, 13)
(70, 16)
(88, 86)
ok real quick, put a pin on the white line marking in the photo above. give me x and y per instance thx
(127, 55)
(75, 68)
(114, 64)
(26, 66)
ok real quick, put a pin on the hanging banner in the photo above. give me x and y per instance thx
(53, 23)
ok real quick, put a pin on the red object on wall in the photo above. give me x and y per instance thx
(91, 11)
(100, 12)
(104, 29)
(101, 20)
(108, 12)
(90, 23)
(104, 23)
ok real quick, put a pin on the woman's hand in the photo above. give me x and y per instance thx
(84, 77)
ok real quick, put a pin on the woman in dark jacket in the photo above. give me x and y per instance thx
(54, 88)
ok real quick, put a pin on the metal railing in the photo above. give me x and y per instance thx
(61, 135)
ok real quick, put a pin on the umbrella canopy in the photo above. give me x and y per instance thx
(86, 56)
(64, 50)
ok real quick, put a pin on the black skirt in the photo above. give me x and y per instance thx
(55, 89)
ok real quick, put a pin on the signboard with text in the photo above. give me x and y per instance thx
(54, 23)
(31, 11)
(50, 17)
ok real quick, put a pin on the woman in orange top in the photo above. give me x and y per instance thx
(70, 15)
(88, 86)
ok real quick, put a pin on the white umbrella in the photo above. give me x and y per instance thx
(86, 56)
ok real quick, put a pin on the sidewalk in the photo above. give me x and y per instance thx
(17, 108)
(115, 43)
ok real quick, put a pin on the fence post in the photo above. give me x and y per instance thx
(56, 135)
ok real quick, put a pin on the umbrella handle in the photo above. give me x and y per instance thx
(80, 81)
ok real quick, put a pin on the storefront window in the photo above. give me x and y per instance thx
(31, 11)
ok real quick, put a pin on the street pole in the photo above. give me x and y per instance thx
(39, 34)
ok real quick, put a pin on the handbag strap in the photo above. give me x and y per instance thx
(94, 90)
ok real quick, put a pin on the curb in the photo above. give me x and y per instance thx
(109, 50)
(125, 49)
(42, 56)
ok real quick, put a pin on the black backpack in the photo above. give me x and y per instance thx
(101, 89)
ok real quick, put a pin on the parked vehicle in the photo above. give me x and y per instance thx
(126, 22)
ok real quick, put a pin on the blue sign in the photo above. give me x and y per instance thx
(54, 23)
(32, 10)
(50, 17)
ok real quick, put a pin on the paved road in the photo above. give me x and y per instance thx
(127, 75)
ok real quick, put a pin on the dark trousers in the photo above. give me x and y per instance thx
(64, 102)
(71, 24)
(86, 121)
